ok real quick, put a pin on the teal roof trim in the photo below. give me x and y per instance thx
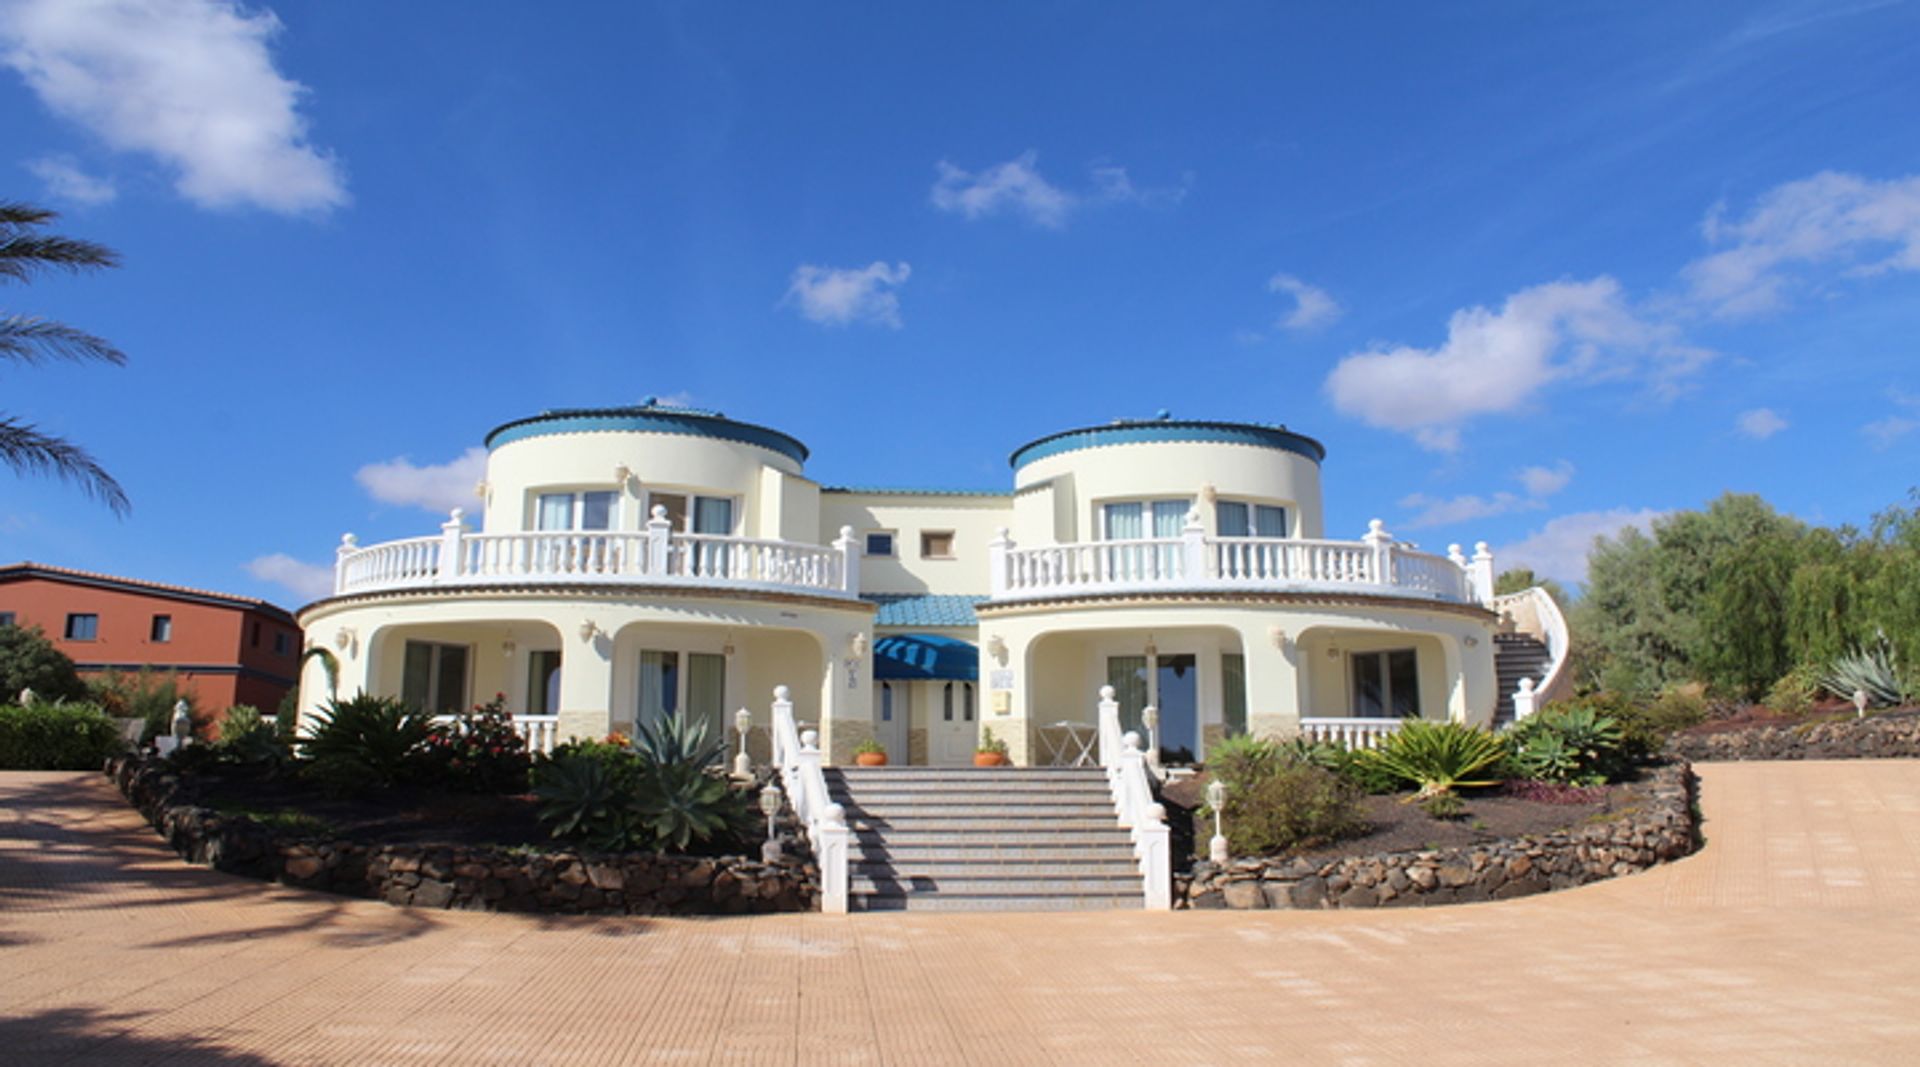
(924, 609)
(925, 657)
(685, 421)
(1128, 433)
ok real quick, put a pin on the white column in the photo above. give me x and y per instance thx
(450, 533)
(659, 531)
(997, 552)
(1523, 700)
(1381, 542)
(1482, 572)
(849, 548)
(348, 546)
(1193, 548)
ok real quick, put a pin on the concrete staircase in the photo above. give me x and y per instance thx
(1516, 656)
(984, 839)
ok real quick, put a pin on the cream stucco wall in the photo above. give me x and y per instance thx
(1058, 497)
(973, 521)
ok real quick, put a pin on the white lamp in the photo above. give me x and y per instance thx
(742, 765)
(1217, 799)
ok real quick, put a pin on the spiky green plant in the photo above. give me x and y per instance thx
(591, 800)
(678, 739)
(366, 741)
(1571, 743)
(1437, 757)
(1868, 670)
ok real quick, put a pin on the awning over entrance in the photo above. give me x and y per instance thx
(922, 657)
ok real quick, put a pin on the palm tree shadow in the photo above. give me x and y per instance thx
(84, 1035)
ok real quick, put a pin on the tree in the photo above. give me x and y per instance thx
(25, 252)
(29, 661)
(1521, 579)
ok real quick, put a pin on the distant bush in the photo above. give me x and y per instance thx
(150, 695)
(55, 737)
(1795, 691)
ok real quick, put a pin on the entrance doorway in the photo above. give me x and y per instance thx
(1170, 682)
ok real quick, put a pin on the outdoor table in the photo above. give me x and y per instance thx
(1068, 744)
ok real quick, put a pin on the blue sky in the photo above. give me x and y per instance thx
(1529, 271)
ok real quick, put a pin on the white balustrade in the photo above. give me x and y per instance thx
(1536, 613)
(1144, 819)
(1376, 565)
(655, 556)
(1350, 734)
(797, 757)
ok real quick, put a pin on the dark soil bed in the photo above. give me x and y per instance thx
(1490, 815)
(401, 816)
(1748, 716)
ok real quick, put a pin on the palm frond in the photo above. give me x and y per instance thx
(27, 450)
(32, 340)
(21, 254)
(14, 214)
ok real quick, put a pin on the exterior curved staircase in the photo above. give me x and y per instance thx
(984, 839)
(1517, 656)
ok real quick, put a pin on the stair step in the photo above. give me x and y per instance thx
(987, 885)
(982, 826)
(931, 902)
(997, 852)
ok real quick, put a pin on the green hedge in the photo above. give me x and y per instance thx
(56, 737)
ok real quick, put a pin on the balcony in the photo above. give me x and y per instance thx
(654, 556)
(1375, 565)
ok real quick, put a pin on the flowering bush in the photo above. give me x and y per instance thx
(478, 752)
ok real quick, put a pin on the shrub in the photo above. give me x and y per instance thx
(1794, 692)
(1295, 806)
(1645, 725)
(365, 742)
(246, 739)
(680, 803)
(29, 661)
(150, 695)
(1437, 756)
(479, 752)
(1242, 761)
(586, 798)
(55, 737)
(1569, 743)
(664, 791)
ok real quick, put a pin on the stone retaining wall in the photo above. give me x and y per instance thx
(1661, 830)
(468, 877)
(1891, 735)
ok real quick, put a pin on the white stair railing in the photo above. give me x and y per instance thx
(1144, 819)
(1351, 734)
(797, 755)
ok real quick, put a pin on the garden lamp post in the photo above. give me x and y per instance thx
(1216, 799)
(770, 807)
(742, 764)
(1859, 703)
(1150, 717)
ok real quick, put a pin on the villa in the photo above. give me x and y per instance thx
(636, 562)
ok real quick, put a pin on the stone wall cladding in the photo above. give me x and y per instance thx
(473, 878)
(1890, 735)
(1660, 830)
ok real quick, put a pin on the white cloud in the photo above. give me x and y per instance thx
(1539, 482)
(1760, 423)
(1838, 220)
(1015, 185)
(836, 297)
(1885, 432)
(1311, 305)
(1496, 362)
(66, 181)
(1546, 481)
(188, 82)
(437, 487)
(1559, 549)
(308, 581)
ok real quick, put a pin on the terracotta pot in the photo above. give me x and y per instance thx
(870, 759)
(988, 759)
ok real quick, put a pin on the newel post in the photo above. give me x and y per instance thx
(348, 546)
(1523, 700)
(1381, 542)
(659, 532)
(450, 533)
(998, 551)
(1193, 548)
(1108, 718)
(849, 549)
(1482, 574)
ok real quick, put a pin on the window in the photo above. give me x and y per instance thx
(83, 627)
(1233, 693)
(434, 677)
(965, 701)
(575, 511)
(1235, 518)
(6, 618)
(880, 543)
(543, 683)
(1386, 684)
(710, 514)
(936, 544)
(886, 701)
(665, 688)
(282, 643)
(162, 629)
(256, 635)
(1134, 520)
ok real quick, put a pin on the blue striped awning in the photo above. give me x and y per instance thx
(923, 657)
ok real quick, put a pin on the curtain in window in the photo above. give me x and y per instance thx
(543, 683)
(416, 676)
(596, 511)
(1269, 521)
(1230, 519)
(1233, 693)
(659, 685)
(1128, 677)
(707, 691)
(1403, 683)
(713, 515)
(555, 512)
(1168, 518)
(1369, 686)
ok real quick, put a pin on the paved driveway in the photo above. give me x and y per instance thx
(1794, 937)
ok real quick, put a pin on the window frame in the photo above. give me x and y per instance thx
(160, 629)
(926, 553)
(1384, 657)
(435, 704)
(92, 626)
(576, 509)
(893, 544)
(1252, 509)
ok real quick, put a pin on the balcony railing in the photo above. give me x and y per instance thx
(1196, 562)
(655, 556)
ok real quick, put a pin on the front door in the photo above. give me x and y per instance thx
(952, 733)
(893, 719)
(1177, 679)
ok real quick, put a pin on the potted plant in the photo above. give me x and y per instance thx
(870, 753)
(992, 751)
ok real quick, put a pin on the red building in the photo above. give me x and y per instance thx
(226, 650)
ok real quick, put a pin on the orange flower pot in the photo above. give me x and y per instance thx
(988, 759)
(870, 759)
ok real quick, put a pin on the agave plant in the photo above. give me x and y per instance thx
(1868, 670)
(679, 803)
(678, 739)
(364, 741)
(1438, 757)
(589, 800)
(1573, 743)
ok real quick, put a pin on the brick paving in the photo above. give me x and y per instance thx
(1793, 937)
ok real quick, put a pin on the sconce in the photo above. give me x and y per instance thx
(622, 474)
(1278, 635)
(1152, 649)
(343, 638)
(508, 647)
(1208, 494)
(480, 489)
(1332, 653)
(1473, 642)
(589, 629)
(726, 649)
(857, 647)
(997, 647)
